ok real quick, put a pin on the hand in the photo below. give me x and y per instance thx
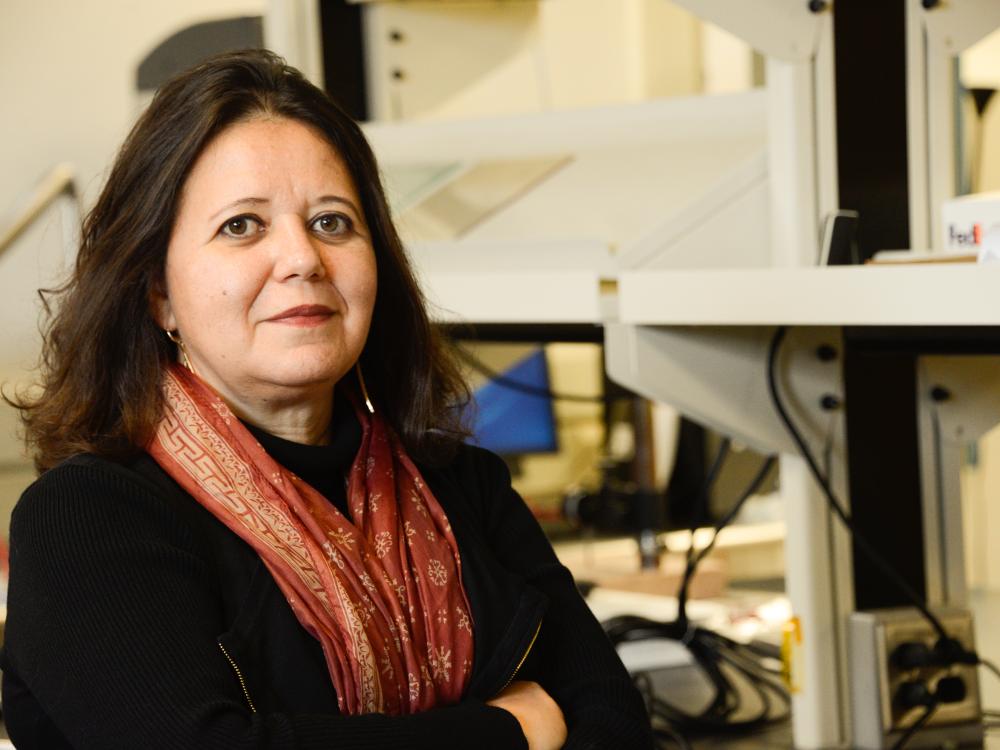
(540, 717)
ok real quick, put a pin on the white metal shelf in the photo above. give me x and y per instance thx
(922, 295)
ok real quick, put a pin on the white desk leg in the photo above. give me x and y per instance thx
(959, 401)
(817, 580)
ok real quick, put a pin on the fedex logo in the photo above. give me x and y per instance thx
(973, 237)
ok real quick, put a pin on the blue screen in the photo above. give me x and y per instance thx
(509, 421)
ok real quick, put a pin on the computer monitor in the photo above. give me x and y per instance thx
(511, 421)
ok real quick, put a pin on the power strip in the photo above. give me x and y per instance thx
(877, 680)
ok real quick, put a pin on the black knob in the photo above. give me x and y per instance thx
(950, 690)
(912, 655)
(826, 353)
(929, 4)
(829, 402)
(939, 393)
(914, 693)
(817, 6)
(948, 651)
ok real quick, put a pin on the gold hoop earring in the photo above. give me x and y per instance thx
(175, 337)
(364, 388)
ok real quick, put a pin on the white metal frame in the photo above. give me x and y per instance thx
(59, 183)
(803, 190)
(802, 173)
(292, 29)
(656, 331)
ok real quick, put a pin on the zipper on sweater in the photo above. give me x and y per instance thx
(523, 658)
(239, 676)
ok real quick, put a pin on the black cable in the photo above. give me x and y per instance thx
(755, 484)
(862, 543)
(764, 674)
(957, 652)
(722, 715)
(765, 650)
(714, 654)
(514, 385)
(664, 730)
(699, 511)
(991, 667)
(693, 560)
(724, 662)
(710, 476)
(761, 685)
(673, 735)
(915, 726)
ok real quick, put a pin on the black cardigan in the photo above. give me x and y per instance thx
(137, 619)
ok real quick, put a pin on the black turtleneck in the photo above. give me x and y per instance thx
(324, 467)
(137, 619)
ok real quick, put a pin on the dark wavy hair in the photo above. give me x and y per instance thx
(103, 354)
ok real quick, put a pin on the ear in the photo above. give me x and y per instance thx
(160, 309)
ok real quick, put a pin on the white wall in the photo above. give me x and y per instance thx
(67, 79)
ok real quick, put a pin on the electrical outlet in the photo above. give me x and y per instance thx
(878, 718)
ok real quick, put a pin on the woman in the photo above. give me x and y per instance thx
(255, 524)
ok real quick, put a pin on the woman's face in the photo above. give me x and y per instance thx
(270, 271)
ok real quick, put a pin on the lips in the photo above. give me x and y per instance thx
(303, 313)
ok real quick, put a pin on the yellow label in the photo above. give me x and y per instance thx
(791, 654)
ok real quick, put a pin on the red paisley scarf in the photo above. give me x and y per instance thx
(382, 591)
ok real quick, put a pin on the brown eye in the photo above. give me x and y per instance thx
(237, 226)
(332, 225)
(240, 226)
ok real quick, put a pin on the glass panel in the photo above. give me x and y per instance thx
(449, 201)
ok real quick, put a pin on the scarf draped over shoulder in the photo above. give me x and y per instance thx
(381, 591)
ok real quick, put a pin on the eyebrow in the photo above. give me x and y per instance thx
(339, 199)
(253, 201)
(239, 202)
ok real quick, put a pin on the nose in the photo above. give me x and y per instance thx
(295, 252)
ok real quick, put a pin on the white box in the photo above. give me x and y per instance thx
(971, 224)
